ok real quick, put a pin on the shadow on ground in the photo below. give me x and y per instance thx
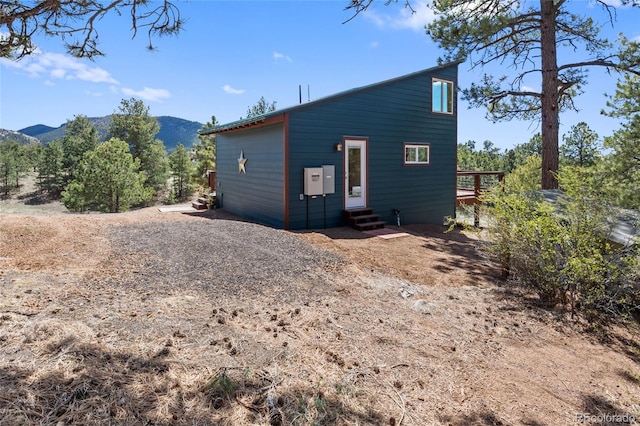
(98, 386)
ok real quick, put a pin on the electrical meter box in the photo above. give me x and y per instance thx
(313, 181)
(328, 179)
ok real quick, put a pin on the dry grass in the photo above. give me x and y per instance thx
(415, 330)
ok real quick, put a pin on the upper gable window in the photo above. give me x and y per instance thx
(442, 96)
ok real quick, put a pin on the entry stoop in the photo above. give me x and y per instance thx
(363, 219)
(199, 204)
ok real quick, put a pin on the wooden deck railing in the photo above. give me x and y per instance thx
(471, 184)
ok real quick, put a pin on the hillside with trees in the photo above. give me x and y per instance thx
(21, 138)
(172, 131)
(131, 168)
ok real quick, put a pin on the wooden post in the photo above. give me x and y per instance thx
(476, 207)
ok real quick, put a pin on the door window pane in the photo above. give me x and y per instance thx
(355, 172)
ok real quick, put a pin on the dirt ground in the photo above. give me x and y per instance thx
(414, 330)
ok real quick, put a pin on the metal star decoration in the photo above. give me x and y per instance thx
(241, 162)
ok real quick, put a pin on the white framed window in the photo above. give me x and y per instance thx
(416, 153)
(442, 96)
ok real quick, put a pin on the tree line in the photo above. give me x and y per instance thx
(612, 162)
(130, 168)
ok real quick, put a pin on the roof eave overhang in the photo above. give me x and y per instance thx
(245, 124)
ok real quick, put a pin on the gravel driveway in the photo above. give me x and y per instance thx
(227, 257)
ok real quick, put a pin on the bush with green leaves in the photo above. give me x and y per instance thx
(525, 177)
(562, 250)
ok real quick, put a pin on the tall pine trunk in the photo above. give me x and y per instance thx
(550, 86)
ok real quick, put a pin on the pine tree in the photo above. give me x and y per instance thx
(75, 23)
(581, 147)
(205, 154)
(529, 38)
(50, 168)
(109, 180)
(260, 108)
(14, 163)
(621, 167)
(181, 171)
(135, 125)
(80, 136)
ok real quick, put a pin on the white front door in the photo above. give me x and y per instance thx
(355, 173)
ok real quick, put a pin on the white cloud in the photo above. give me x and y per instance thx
(374, 44)
(57, 66)
(148, 94)
(227, 88)
(406, 18)
(58, 73)
(377, 20)
(52, 67)
(95, 75)
(527, 89)
(278, 55)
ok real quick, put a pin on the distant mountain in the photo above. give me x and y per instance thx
(21, 138)
(177, 130)
(173, 131)
(38, 129)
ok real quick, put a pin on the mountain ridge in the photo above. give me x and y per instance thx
(21, 138)
(173, 130)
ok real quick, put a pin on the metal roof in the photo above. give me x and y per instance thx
(252, 121)
(624, 223)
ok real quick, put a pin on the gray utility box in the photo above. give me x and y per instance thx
(328, 179)
(313, 181)
(319, 180)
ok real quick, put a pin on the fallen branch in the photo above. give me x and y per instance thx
(399, 402)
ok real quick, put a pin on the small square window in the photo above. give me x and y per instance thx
(442, 96)
(416, 154)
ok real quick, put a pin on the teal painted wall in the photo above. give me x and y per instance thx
(257, 195)
(388, 116)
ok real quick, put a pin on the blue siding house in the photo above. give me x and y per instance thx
(392, 146)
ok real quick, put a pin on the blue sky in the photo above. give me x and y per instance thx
(233, 52)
